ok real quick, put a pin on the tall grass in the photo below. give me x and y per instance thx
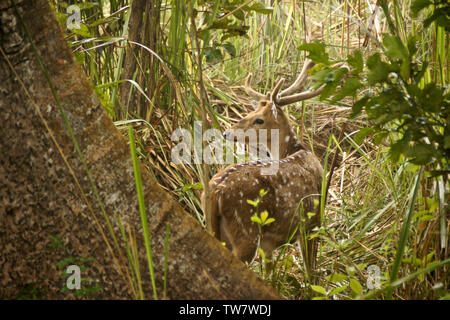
(142, 209)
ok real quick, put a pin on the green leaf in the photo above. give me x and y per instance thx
(426, 217)
(80, 56)
(337, 277)
(262, 254)
(412, 260)
(418, 214)
(338, 290)
(380, 136)
(328, 90)
(316, 51)
(320, 77)
(221, 24)
(196, 186)
(213, 55)
(405, 69)
(421, 153)
(82, 31)
(442, 19)
(204, 35)
(432, 203)
(264, 215)
(440, 15)
(394, 47)
(412, 168)
(431, 97)
(86, 5)
(356, 61)
(256, 219)
(269, 221)
(319, 289)
(373, 60)
(239, 14)
(61, 17)
(316, 203)
(427, 258)
(349, 88)
(259, 8)
(413, 41)
(230, 49)
(358, 106)
(310, 214)
(362, 134)
(419, 75)
(447, 142)
(397, 149)
(379, 70)
(419, 5)
(356, 286)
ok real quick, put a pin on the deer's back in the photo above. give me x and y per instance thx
(290, 191)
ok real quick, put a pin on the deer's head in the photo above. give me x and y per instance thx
(269, 115)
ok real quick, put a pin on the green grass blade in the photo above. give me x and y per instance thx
(142, 210)
(404, 235)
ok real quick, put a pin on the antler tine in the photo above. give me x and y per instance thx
(250, 91)
(281, 101)
(276, 89)
(300, 81)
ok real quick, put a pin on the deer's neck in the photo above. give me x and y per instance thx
(290, 144)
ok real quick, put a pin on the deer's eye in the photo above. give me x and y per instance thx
(259, 121)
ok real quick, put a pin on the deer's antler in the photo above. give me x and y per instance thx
(250, 91)
(300, 81)
(290, 94)
(276, 89)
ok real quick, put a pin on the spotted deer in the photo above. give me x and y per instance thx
(291, 190)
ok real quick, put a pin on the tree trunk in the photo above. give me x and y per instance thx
(132, 52)
(45, 217)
